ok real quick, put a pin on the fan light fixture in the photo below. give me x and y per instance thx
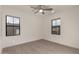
(42, 9)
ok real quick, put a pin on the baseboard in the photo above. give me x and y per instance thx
(62, 44)
(21, 43)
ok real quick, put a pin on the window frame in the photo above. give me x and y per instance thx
(13, 25)
(55, 26)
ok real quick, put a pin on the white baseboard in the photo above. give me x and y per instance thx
(62, 44)
(19, 43)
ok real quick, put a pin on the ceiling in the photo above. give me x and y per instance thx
(57, 8)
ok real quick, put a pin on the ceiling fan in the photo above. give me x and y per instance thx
(42, 9)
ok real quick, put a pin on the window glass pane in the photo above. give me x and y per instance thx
(16, 30)
(16, 20)
(54, 22)
(9, 20)
(58, 22)
(9, 31)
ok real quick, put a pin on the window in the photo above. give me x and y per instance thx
(12, 25)
(55, 28)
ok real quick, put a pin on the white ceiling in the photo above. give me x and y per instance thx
(57, 8)
(25, 7)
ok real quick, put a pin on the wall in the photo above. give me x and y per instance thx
(0, 30)
(69, 25)
(31, 25)
(34, 27)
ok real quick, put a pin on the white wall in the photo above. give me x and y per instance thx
(69, 26)
(31, 25)
(0, 30)
(34, 27)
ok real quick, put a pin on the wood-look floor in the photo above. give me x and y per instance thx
(40, 47)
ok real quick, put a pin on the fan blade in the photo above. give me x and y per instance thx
(33, 7)
(36, 7)
(36, 11)
(48, 9)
